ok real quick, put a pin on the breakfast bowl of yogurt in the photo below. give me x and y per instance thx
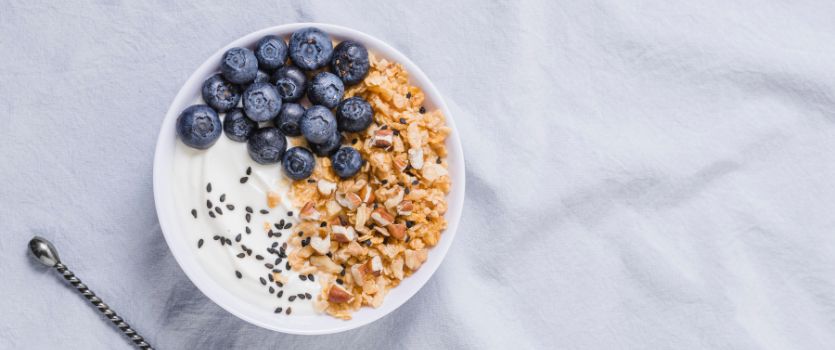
(308, 178)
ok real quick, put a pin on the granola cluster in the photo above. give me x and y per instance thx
(365, 234)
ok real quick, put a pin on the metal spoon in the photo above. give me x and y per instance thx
(43, 250)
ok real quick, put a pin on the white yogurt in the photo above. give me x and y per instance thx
(224, 164)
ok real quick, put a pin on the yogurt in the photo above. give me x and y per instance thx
(225, 176)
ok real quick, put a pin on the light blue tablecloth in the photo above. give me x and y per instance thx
(641, 175)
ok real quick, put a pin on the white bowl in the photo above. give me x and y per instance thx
(172, 228)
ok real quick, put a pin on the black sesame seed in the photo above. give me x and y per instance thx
(409, 94)
(238, 238)
(208, 204)
(287, 266)
(288, 311)
(241, 255)
(329, 254)
(280, 293)
(402, 120)
(219, 211)
(270, 234)
(310, 181)
(209, 187)
(265, 211)
(385, 127)
(216, 237)
(323, 224)
(278, 234)
(375, 205)
(269, 266)
(300, 233)
(262, 280)
(230, 207)
(258, 257)
(272, 290)
(415, 182)
(270, 277)
(303, 277)
(396, 132)
(300, 295)
(249, 170)
(368, 243)
(422, 110)
(223, 197)
(307, 295)
(278, 310)
(248, 231)
(438, 160)
(292, 298)
(310, 277)
(409, 223)
(281, 223)
(194, 213)
(406, 190)
(339, 281)
(228, 241)
(354, 141)
(222, 241)
(243, 246)
(238, 274)
(244, 179)
(283, 245)
(278, 227)
(212, 214)
(289, 213)
(249, 252)
(275, 244)
(342, 273)
(278, 260)
(248, 217)
(288, 225)
(248, 210)
(199, 243)
(280, 285)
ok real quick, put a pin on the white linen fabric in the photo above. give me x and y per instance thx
(640, 175)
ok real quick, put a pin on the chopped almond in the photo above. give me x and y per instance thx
(366, 195)
(405, 208)
(375, 265)
(397, 230)
(348, 200)
(321, 245)
(394, 200)
(309, 212)
(361, 217)
(325, 187)
(343, 234)
(416, 157)
(337, 294)
(382, 138)
(382, 217)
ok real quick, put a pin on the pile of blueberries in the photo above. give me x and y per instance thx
(273, 89)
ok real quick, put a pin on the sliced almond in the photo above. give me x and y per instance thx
(397, 230)
(348, 200)
(326, 187)
(343, 234)
(416, 157)
(433, 171)
(375, 265)
(309, 212)
(321, 245)
(381, 230)
(382, 138)
(361, 217)
(394, 200)
(325, 264)
(273, 199)
(333, 207)
(366, 195)
(405, 208)
(337, 294)
(382, 217)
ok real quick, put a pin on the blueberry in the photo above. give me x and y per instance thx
(328, 147)
(239, 65)
(271, 52)
(267, 145)
(237, 126)
(289, 118)
(350, 62)
(310, 48)
(198, 126)
(325, 89)
(298, 163)
(318, 123)
(261, 102)
(290, 82)
(262, 77)
(346, 162)
(220, 94)
(353, 114)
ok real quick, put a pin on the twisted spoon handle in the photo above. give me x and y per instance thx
(102, 307)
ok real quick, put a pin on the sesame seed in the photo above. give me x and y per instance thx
(275, 244)
(396, 132)
(342, 273)
(354, 141)
(269, 266)
(241, 255)
(300, 233)
(438, 160)
(415, 182)
(199, 243)
(238, 274)
(279, 227)
(223, 197)
(323, 224)
(402, 120)
(289, 213)
(300, 295)
(194, 213)
(212, 214)
(238, 238)
(249, 170)
(216, 237)
(248, 210)
(287, 266)
(278, 310)
(248, 231)
(219, 211)
(406, 190)
(303, 277)
(384, 182)
(270, 234)
(422, 110)
(209, 187)
(228, 241)
(278, 234)
(208, 204)
(311, 181)
(288, 225)
(292, 298)
(262, 280)
(258, 257)
(409, 223)
(280, 293)
(385, 127)
(409, 94)
(244, 179)
(280, 285)
(272, 290)
(307, 295)
(248, 217)
(265, 211)
(310, 277)
(230, 207)
(339, 281)
(288, 311)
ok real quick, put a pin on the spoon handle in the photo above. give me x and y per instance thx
(111, 315)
